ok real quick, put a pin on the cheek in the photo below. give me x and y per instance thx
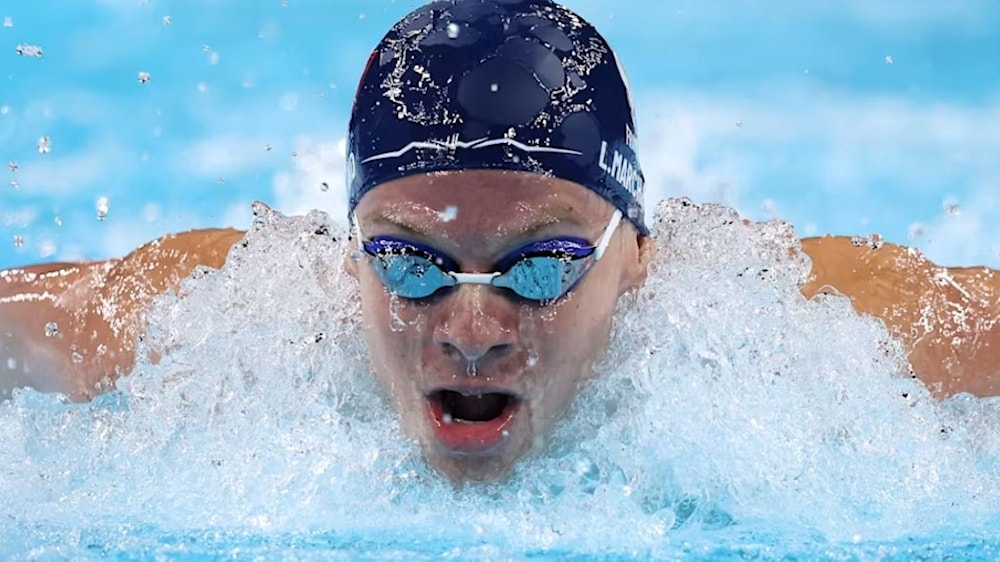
(394, 328)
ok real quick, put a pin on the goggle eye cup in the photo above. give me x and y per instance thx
(542, 278)
(410, 276)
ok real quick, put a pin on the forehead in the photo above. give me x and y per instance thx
(487, 199)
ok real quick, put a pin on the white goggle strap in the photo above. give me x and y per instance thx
(602, 244)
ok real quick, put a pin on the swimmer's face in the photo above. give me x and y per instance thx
(478, 375)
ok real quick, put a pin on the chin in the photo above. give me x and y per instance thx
(478, 469)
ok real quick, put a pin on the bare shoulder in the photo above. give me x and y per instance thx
(949, 317)
(72, 327)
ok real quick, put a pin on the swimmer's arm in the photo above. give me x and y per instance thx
(948, 318)
(72, 328)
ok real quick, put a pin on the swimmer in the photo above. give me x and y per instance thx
(496, 205)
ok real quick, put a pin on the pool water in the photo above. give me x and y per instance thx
(731, 419)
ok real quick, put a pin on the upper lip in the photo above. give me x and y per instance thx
(467, 388)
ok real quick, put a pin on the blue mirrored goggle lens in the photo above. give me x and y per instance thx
(410, 276)
(541, 278)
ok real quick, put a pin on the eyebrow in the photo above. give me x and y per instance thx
(413, 227)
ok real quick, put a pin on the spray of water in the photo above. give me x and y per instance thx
(727, 404)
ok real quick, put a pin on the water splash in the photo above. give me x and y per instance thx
(728, 408)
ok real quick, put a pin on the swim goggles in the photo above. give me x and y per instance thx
(541, 271)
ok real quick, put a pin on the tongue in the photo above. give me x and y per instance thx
(475, 408)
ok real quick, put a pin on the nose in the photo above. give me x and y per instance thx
(477, 325)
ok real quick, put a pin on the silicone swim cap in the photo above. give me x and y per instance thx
(523, 85)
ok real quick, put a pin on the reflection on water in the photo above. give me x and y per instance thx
(731, 415)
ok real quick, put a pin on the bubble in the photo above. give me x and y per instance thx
(102, 208)
(494, 87)
(447, 418)
(143, 77)
(453, 30)
(472, 370)
(213, 59)
(51, 329)
(201, 87)
(26, 50)
(889, 60)
(15, 184)
(76, 357)
(11, 363)
(18, 241)
(44, 145)
(4, 110)
(267, 148)
(952, 208)
(739, 123)
(13, 166)
(324, 187)
(206, 48)
(916, 230)
(7, 22)
(167, 20)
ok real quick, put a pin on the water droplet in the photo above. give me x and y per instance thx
(143, 77)
(18, 240)
(952, 208)
(505, 433)
(532, 360)
(51, 329)
(453, 30)
(494, 87)
(102, 208)
(472, 370)
(739, 123)
(267, 148)
(449, 213)
(888, 59)
(167, 20)
(7, 22)
(44, 145)
(15, 184)
(324, 187)
(13, 166)
(26, 50)
(447, 418)
(220, 180)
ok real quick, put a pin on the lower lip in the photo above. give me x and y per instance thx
(471, 437)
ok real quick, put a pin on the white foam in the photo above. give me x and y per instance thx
(727, 402)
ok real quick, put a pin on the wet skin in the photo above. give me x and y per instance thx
(474, 339)
(528, 360)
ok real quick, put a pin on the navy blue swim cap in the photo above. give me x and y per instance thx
(523, 85)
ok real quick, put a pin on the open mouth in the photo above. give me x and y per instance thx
(472, 408)
(474, 422)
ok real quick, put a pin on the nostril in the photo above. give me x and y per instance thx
(473, 353)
